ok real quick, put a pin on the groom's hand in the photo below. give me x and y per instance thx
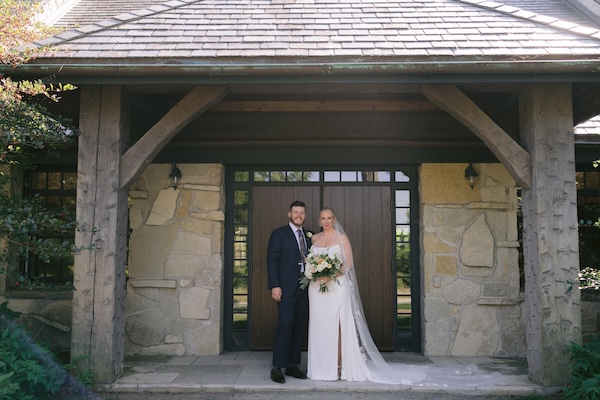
(276, 294)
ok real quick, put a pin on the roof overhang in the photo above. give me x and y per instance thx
(269, 71)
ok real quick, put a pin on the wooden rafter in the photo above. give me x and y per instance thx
(514, 158)
(324, 106)
(197, 101)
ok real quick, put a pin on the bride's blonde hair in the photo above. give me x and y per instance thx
(328, 209)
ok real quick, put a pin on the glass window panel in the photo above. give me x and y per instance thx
(240, 303)
(261, 176)
(592, 180)
(405, 230)
(402, 198)
(580, 180)
(54, 180)
(366, 176)
(241, 215)
(402, 234)
(332, 176)
(403, 215)
(38, 180)
(349, 176)
(382, 176)
(404, 303)
(242, 176)
(404, 323)
(70, 181)
(403, 283)
(294, 176)
(403, 260)
(310, 176)
(240, 232)
(278, 176)
(401, 177)
(241, 198)
(240, 322)
(239, 250)
(240, 286)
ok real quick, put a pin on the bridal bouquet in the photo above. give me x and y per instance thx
(320, 266)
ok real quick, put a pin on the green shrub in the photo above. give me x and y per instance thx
(585, 383)
(27, 371)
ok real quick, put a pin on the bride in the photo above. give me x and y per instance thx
(340, 345)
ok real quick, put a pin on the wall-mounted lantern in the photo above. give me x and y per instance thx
(175, 176)
(471, 175)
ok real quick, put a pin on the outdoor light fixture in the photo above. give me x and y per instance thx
(175, 176)
(470, 175)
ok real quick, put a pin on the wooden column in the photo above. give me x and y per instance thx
(550, 238)
(99, 278)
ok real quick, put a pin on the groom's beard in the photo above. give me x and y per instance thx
(297, 222)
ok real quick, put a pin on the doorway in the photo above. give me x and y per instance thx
(373, 207)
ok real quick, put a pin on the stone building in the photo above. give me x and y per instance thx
(378, 109)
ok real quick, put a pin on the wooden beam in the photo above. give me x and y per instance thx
(197, 101)
(550, 235)
(514, 158)
(325, 106)
(99, 277)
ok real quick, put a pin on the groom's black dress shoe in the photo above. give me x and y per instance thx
(295, 372)
(277, 376)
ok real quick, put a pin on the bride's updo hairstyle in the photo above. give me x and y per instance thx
(328, 209)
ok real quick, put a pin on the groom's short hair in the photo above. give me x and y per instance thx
(297, 203)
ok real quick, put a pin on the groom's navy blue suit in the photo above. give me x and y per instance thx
(283, 265)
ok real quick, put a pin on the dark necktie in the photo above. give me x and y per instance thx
(302, 244)
(302, 248)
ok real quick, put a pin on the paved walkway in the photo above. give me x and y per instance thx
(248, 371)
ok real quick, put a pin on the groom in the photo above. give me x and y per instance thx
(285, 263)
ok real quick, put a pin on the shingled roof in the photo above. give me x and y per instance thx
(86, 12)
(512, 30)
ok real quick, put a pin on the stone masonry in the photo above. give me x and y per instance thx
(175, 271)
(472, 305)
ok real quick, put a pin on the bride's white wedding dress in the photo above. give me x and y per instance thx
(337, 315)
(331, 319)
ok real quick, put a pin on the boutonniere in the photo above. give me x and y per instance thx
(308, 234)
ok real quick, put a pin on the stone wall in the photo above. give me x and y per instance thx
(472, 304)
(175, 269)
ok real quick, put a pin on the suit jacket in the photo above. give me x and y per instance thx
(283, 259)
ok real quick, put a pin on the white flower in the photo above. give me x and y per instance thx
(309, 234)
(321, 266)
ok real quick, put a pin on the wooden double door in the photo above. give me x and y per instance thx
(365, 212)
